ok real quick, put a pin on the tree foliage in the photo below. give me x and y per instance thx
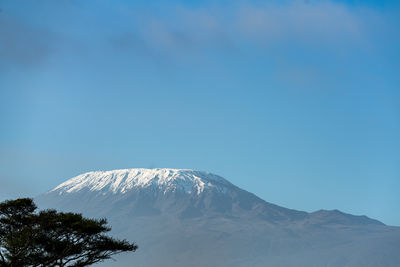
(52, 238)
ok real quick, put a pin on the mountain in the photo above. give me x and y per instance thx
(193, 218)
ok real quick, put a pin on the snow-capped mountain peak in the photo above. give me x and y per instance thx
(173, 214)
(122, 181)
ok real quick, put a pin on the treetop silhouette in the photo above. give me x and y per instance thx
(52, 238)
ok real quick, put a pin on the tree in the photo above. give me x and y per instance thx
(52, 238)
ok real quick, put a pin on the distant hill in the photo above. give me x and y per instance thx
(183, 218)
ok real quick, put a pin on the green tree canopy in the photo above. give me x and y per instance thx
(52, 238)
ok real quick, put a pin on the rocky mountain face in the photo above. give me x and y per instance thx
(192, 218)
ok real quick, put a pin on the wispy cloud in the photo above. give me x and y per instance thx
(191, 30)
(183, 30)
(324, 21)
(22, 44)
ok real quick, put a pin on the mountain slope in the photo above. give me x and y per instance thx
(192, 218)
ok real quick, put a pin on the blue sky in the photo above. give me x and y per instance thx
(295, 101)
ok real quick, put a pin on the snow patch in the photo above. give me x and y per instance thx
(123, 181)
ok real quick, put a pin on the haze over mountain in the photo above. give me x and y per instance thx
(194, 218)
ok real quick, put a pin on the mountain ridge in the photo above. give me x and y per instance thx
(178, 225)
(191, 182)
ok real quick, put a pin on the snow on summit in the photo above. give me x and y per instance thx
(122, 181)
